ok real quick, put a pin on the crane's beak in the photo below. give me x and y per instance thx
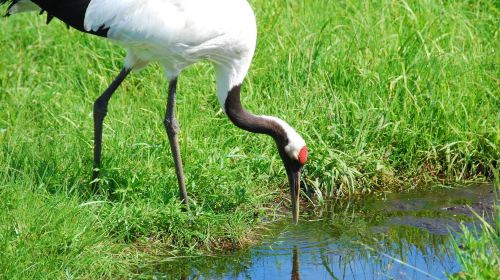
(294, 178)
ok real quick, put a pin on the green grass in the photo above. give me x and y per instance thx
(478, 248)
(479, 251)
(387, 94)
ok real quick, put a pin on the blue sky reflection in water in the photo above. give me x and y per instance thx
(400, 236)
(324, 257)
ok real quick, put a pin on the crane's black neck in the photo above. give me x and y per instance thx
(250, 122)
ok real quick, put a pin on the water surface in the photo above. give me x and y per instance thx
(398, 236)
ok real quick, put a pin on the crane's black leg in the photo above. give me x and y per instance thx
(172, 127)
(100, 111)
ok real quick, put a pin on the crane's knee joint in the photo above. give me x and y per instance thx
(172, 126)
(100, 109)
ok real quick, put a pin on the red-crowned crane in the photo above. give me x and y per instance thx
(176, 34)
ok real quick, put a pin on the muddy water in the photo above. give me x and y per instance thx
(398, 236)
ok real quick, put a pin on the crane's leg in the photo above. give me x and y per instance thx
(172, 127)
(100, 111)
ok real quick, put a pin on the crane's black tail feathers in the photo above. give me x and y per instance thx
(71, 12)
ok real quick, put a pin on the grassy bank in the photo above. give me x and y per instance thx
(387, 94)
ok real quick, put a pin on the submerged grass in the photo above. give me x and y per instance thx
(386, 93)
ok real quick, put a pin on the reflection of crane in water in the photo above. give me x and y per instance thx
(295, 264)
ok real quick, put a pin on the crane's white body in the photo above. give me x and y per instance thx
(179, 33)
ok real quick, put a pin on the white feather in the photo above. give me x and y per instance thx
(295, 141)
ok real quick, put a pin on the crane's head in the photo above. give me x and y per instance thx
(293, 151)
(291, 146)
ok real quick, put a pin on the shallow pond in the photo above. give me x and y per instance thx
(398, 236)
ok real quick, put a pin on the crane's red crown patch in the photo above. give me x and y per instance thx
(303, 155)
